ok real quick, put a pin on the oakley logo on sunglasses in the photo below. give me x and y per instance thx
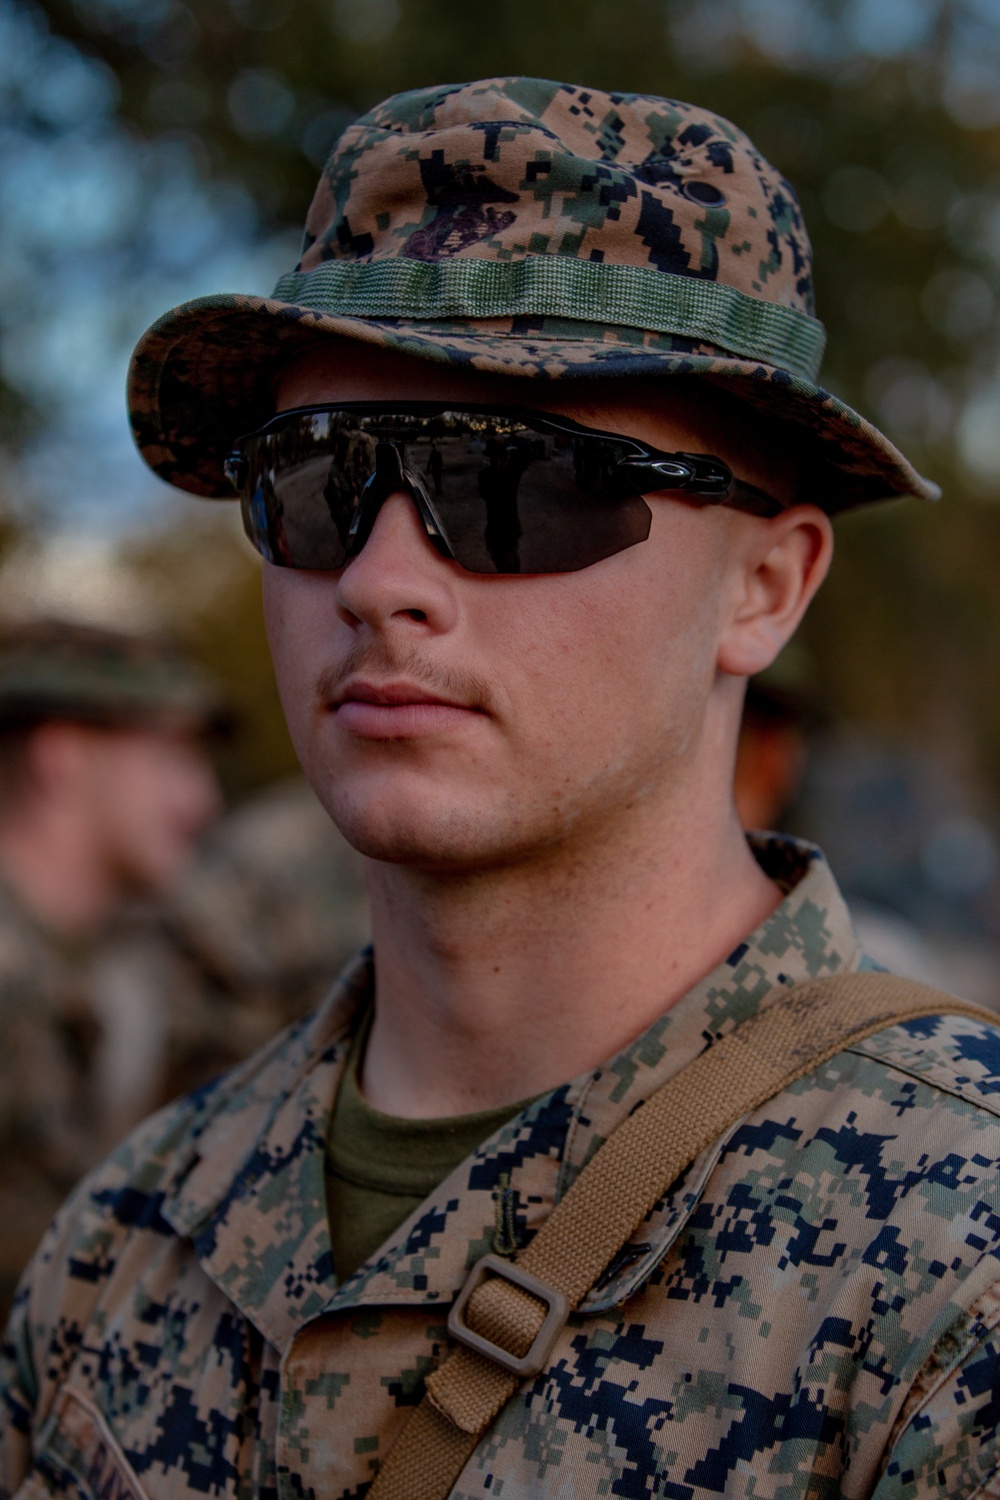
(496, 490)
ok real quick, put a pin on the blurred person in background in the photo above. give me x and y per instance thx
(772, 749)
(265, 915)
(105, 786)
(781, 722)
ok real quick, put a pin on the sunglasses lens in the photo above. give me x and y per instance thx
(303, 485)
(529, 502)
(509, 499)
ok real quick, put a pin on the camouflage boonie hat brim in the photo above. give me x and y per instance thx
(534, 229)
(57, 669)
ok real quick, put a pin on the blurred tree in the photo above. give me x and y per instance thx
(875, 122)
(885, 114)
(204, 581)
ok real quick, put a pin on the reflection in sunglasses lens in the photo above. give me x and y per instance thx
(507, 498)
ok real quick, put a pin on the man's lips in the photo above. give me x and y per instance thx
(397, 710)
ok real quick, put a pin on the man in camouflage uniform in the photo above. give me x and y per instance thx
(104, 786)
(249, 1297)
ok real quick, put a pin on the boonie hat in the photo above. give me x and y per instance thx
(59, 669)
(533, 229)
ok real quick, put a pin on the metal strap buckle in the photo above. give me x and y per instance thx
(555, 1318)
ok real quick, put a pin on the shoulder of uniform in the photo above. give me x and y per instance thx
(136, 1194)
(130, 1188)
(165, 1145)
(956, 1054)
(136, 1187)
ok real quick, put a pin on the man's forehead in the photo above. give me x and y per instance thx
(671, 412)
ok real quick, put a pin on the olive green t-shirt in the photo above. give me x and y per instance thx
(379, 1168)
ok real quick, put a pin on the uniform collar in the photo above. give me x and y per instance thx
(252, 1196)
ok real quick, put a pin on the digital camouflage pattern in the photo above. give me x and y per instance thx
(100, 1033)
(52, 668)
(97, 1033)
(528, 228)
(48, 1116)
(811, 1311)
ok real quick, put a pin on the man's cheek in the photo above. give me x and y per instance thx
(295, 677)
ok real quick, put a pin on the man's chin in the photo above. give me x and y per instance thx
(416, 828)
(419, 843)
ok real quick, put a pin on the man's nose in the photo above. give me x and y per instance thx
(398, 573)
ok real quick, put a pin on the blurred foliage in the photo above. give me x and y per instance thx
(204, 582)
(901, 196)
(885, 114)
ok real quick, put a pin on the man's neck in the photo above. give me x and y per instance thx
(500, 987)
(51, 863)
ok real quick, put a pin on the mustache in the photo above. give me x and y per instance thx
(377, 660)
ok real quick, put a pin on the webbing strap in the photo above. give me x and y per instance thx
(560, 286)
(622, 1184)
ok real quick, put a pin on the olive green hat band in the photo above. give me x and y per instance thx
(557, 286)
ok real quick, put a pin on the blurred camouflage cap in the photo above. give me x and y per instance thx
(528, 228)
(53, 668)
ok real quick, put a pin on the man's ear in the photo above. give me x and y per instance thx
(780, 562)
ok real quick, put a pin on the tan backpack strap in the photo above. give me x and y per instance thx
(508, 1316)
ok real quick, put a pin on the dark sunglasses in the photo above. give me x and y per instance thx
(499, 491)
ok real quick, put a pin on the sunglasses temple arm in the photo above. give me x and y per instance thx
(748, 497)
(740, 496)
(686, 474)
